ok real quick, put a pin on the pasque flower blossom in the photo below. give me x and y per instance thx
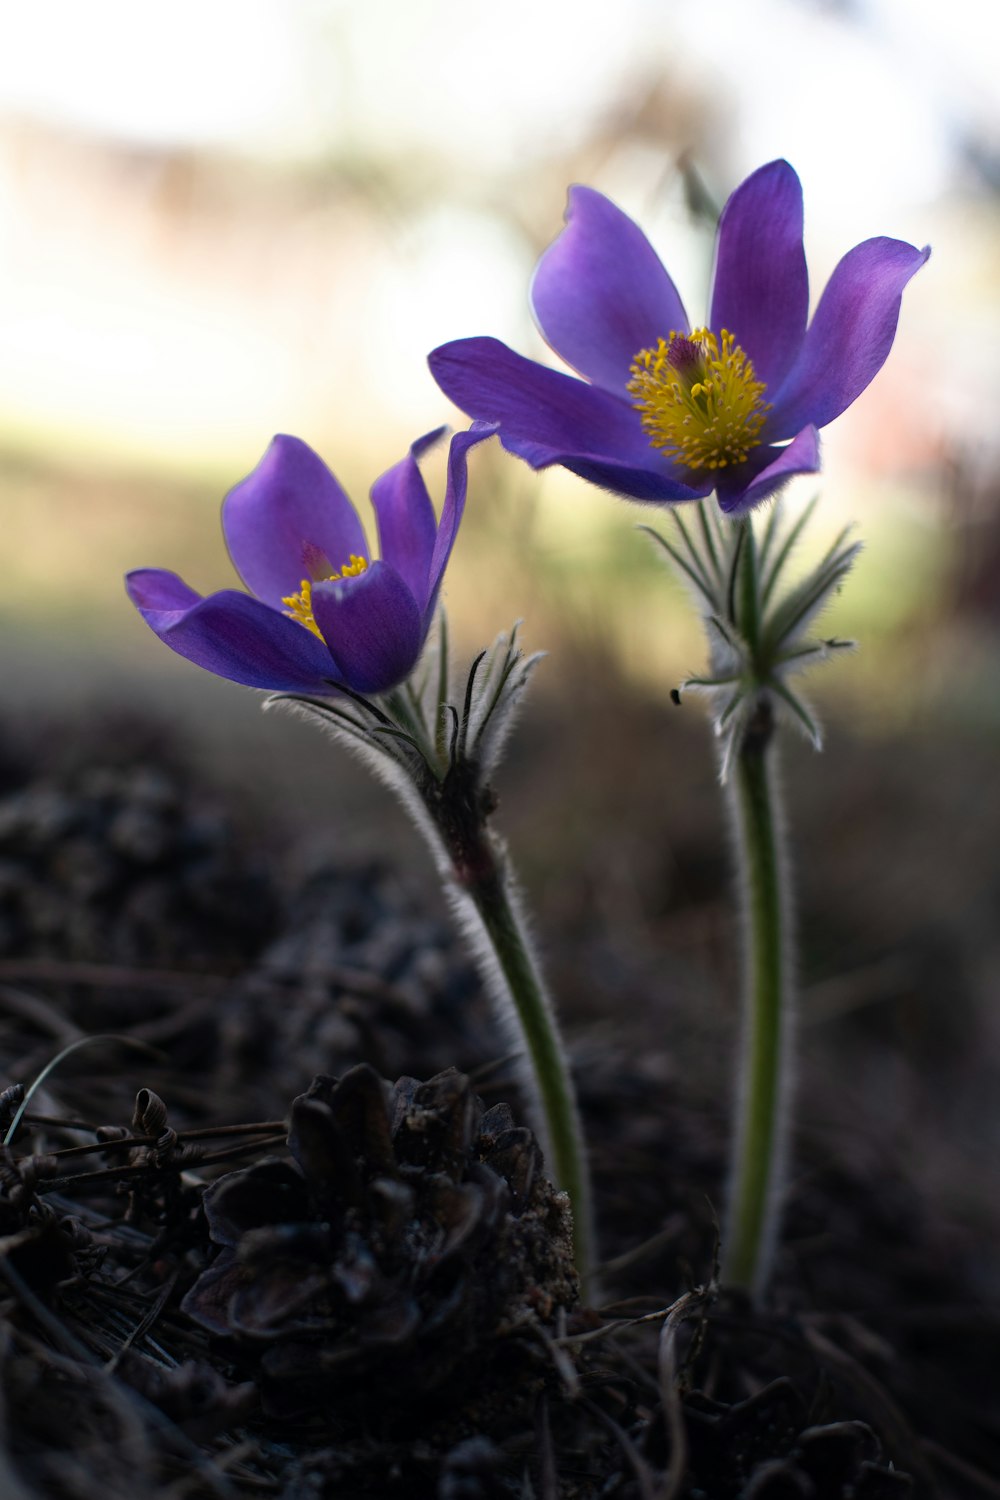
(666, 412)
(321, 614)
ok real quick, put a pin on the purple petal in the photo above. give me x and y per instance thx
(600, 293)
(800, 457)
(287, 520)
(372, 625)
(155, 589)
(849, 337)
(761, 286)
(537, 405)
(407, 525)
(453, 508)
(655, 486)
(232, 635)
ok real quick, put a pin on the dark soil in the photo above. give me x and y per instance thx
(377, 1305)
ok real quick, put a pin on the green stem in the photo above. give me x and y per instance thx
(445, 789)
(504, 927)
(758, 1153)
(485, 893)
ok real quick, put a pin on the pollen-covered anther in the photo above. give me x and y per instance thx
(700, 405)
(299, 605)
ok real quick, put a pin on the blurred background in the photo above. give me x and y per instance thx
(223, 220)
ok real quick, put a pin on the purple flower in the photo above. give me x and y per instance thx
(666, 412)
(321, 614)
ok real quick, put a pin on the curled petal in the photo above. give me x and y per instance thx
(407, 526)
(154, 589)
(600, 293)
(453, 508)
(656, 486)
(232, 635)
(287, 520)
(535, 405)
(849, 337)
(761, 286)
(372, 625)
(802, 456)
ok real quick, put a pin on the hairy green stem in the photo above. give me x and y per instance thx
(759, 1138)
(504, 927)
(434, 762)
(485, 895)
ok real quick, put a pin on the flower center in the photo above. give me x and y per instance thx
(700, 406)
(300, 604)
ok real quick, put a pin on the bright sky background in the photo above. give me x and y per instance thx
(878, 107)
(874, 101)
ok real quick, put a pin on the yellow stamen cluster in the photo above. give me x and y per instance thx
(700, 406)
(300, 604)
